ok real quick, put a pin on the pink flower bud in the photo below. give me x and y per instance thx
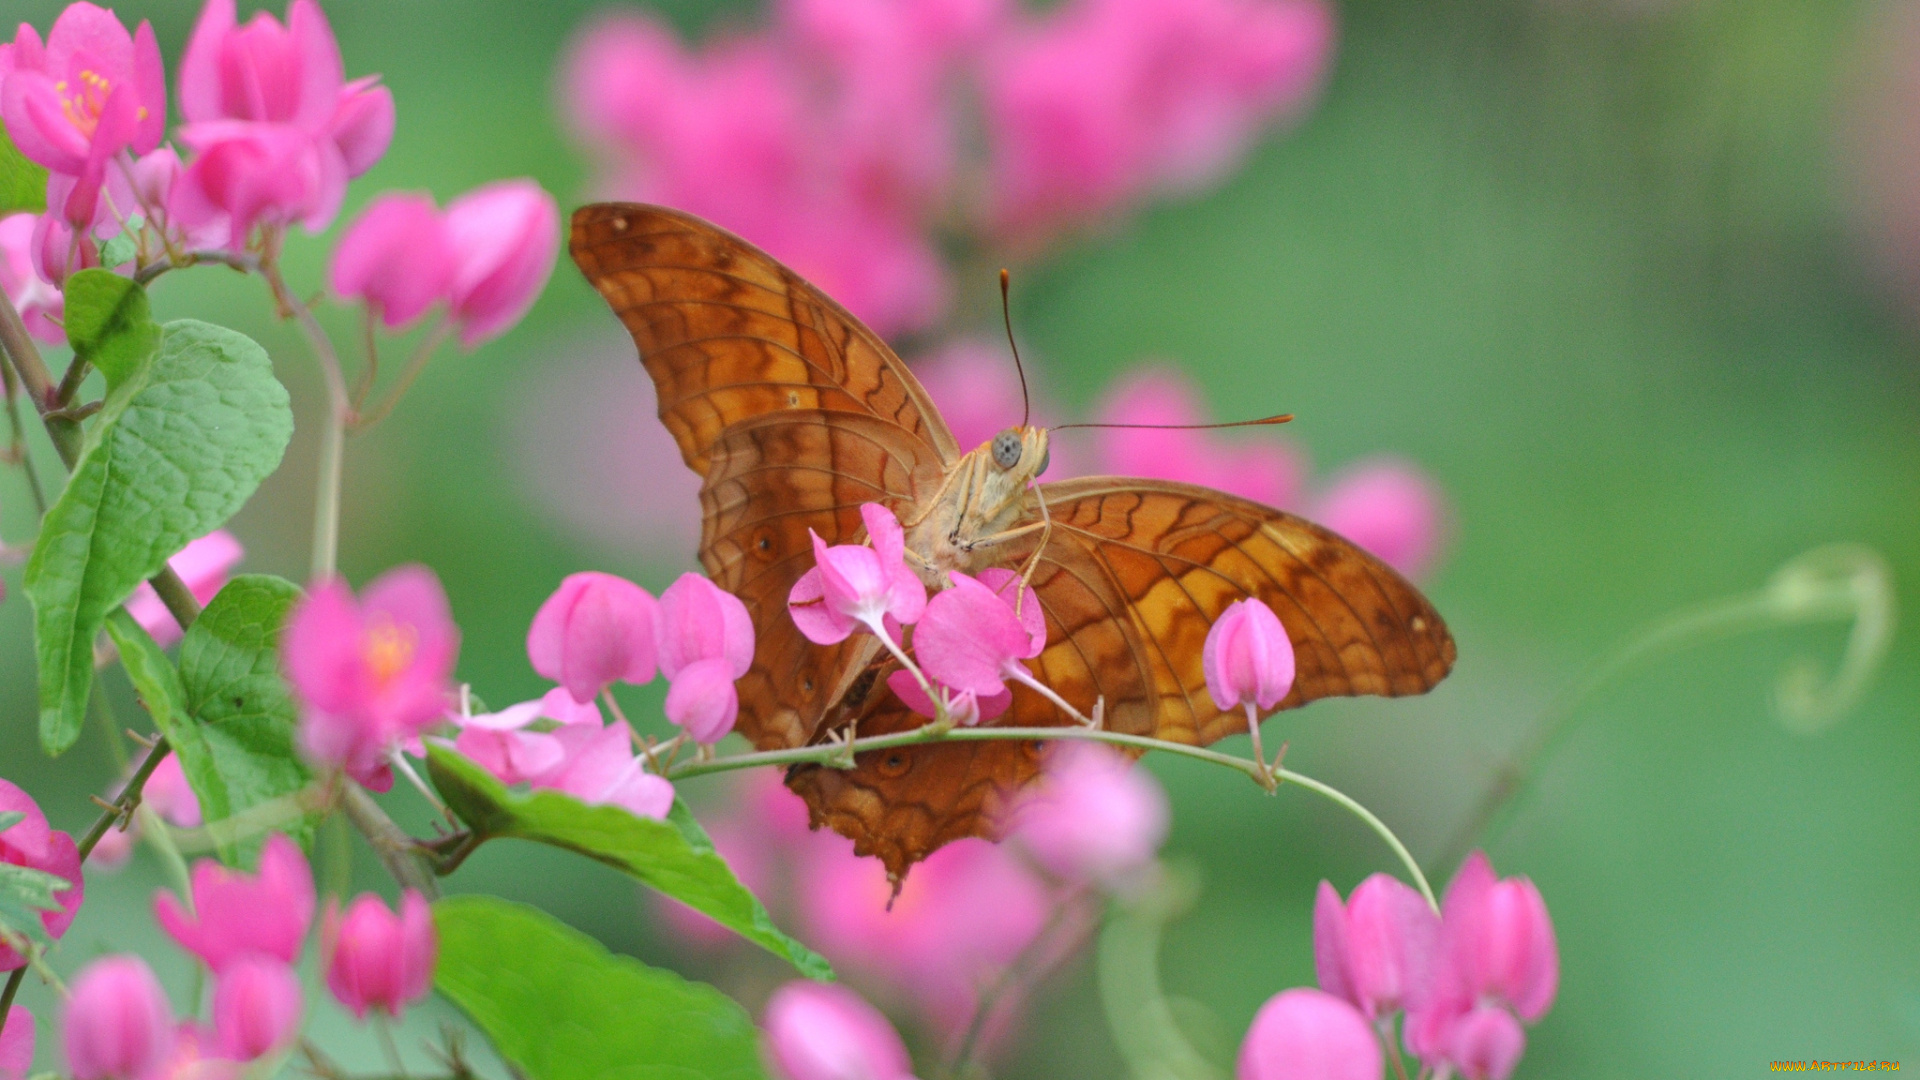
(852, 586)
(396, 256)
(1247, 657)
(1391, 508)
(970, 637)
(117, 1025)
(595, 630)
(1094, 818)
(1377, 950)
(36, 299)
(16, 1044)
(706, 644)
(203, 565)
(362, 124)
(168, 794)
(1306, 1034)
(256, 1007)
(31, 843)
(236, 913)
(505, 236)
(375, 959)
(598, 765)
(818, 1031)
(1487, 1044)
(370, 673)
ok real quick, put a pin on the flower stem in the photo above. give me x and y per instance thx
(129, 798)
(19, 449)
(326, 500)
(415, 365)
(6, 995)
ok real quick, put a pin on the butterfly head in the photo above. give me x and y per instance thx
(1021, 453)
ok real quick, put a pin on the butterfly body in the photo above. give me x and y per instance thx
(794, 415)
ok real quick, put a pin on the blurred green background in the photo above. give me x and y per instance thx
(1623, 275)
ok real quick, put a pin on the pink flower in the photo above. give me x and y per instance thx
(706, 644)
(196, 1057)
(117, 1024)
(372, 673)
(37, 300)
(959, 919)
(33, 844)
(1389, 507)
(256, 1007)
(1105, 101)
(499, 742)
(203, 565)
(505, 236)
(817, 1031)
(57, 249)
(1248, 658)
(970, 639)
(1305, 1034)
(168, 794)
(598, 766)
(852, 586)
(289, 76)
(16, 1044)
(236, 914)
(1497, 952)
(90, 93)
(1266, 471)
(375, 959)
(595, 630)
(964, 707)
(1377, 950)
(1094, 817)
(397, 256)
(258, 174)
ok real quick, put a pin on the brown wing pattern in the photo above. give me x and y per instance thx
(1135, 573)
(791, 411)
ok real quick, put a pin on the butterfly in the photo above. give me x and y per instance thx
(793, 415)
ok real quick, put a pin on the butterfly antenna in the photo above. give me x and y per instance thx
(1281, 419)
(1006, 315)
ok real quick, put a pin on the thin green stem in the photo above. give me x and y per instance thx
(20, 450)
(416, 364)
(396, 849)
(1379, 827)
(326, 500)
(240, 261)
(129, 798)
(160, 836)
(7, 995)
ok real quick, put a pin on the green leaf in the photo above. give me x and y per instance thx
(120, 249)
(109, 323)
(24, 894)
(236, 741)
(11, 818)
(151, 673)
(663, 854)
(558, 1006)
(23, 183)
(179, 446)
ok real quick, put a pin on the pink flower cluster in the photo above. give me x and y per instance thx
(1466, 979)
(249, 930)
(32, 843)
(1093, 824)
(837, 138)
(487, 257)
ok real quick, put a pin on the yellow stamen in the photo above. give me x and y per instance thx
(389, 649)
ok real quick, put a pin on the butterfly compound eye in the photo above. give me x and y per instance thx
(1006, 449)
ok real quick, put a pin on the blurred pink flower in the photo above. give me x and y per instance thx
(92, 92)
(116, 1024)
(56, 248)
(1389, 507)
(236, 914)
(1497, 951)
(32, 843)
(706, 644)
(262, 174)
(505, 236)
(1305, 1034)
(257, 1006)
(1094, 817)
(1247, 658)
(203, 565)
(370, 673)
(397, 256)
(855, 585)
(36, 299)
(598, 766)
(195, 1056)
(499, 742)
(16, 1044)
(820, 1031)
(1266, 471)
(1105, 101)
(959, 918)
(375, 959)
(1377, 950)
(595, 630)
(971, 639)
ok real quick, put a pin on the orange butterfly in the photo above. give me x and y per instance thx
(794, 414)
